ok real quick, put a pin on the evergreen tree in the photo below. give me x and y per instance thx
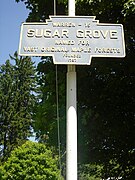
(16, 102)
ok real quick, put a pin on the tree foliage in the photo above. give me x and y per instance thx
(90, 172)
(45, 119)
(31, 161)
(40, 10)
(109, 114)
(16, 102)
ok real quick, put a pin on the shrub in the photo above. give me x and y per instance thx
(31, 161)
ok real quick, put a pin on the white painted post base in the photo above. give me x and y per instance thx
(71, 159)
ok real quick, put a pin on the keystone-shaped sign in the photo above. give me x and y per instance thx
(72, 40)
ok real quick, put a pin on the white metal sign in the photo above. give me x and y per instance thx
(72, 40)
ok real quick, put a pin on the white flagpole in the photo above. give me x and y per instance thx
(71, 148)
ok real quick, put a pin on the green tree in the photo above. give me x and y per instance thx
(31, 161)
(16, 102)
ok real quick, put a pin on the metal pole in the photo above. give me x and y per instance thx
(71, 157)
(71, 7)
